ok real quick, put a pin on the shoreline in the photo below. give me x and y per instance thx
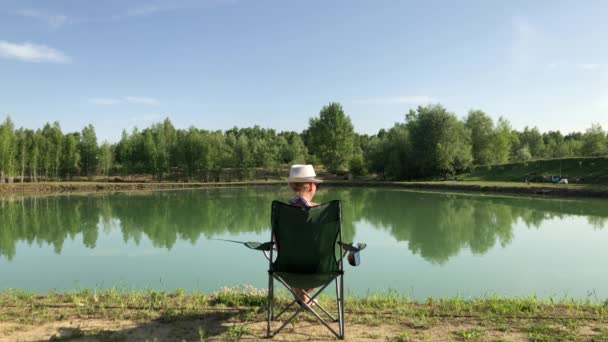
(511, 188)
(240, 313)
(532, 189)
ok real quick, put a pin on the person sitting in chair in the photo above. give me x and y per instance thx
(302, 180)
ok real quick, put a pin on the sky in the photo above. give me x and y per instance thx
(216, 64)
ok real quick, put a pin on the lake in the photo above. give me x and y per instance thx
(423, 244)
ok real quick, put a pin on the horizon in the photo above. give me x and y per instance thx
(219, 64)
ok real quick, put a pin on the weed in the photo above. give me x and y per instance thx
(546, 333)
(240, 296)
(404, 337)
(473, 334)
(238, 331)
(201, 334)
(180, 292)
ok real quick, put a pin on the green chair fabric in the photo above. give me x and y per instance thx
(309, 248)
(306, 240)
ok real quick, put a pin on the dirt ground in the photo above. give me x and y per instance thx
(216, 328)
(102, 330)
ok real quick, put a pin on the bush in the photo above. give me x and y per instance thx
(357, 166)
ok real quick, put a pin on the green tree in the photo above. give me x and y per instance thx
(523, 154)
(440, 142)
(374, 155)
(292, 149)
(332, 136)
(33, 142)
(396, 150)
(71, 156)
(502, 139)
(123, 153)
(244, 157)
(534, 140)
(356, 165)
(106, 158)
(594, 141)
(89, 151)
(150, 153)
(23, 152)
(170, 134)
(482, 128)
(553, 145)
(54, 139)
(8, 151)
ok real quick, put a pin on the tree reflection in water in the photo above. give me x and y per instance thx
(435, 225)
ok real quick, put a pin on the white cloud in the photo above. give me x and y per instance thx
(144, 10)
(588, 66)
(33, 53)
(570, 65)
(412, 99)
(142, 100)
(53, 20)
(104, 101)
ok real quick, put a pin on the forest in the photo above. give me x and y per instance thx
(431, 142)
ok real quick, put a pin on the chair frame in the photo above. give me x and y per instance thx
(338, 279)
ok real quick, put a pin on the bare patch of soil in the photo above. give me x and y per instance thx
(214, 329)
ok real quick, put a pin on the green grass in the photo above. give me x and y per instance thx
(237, 332)
(506, 178)
(230, 311)
(403, 337)
(548, 333)
(149, 302)
(472, 334)
(590, 170)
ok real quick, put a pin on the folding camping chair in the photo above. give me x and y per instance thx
(309, 247)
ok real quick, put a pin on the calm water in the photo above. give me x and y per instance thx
(424, 244)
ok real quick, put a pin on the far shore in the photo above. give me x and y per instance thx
(234, 314)
(514, 188)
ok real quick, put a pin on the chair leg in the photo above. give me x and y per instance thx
(338, 301)
(270, 304)
(341, 314)
(339, 291)
(284, 309)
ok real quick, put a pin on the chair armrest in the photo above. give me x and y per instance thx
(265, 246)
(353, 247)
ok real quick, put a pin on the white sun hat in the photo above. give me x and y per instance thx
(303, 174)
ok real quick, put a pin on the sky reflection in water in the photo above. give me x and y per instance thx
(420, 243)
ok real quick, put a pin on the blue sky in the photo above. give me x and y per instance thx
(216, 64)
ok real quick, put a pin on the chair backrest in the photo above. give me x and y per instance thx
(307, 238)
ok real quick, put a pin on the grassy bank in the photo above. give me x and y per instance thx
(233, 314)
(586, 170)
(514, 188)
(58, 187)
(521, 188)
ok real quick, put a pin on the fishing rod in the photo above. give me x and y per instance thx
(251, 244)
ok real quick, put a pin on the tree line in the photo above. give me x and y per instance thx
(430, 142)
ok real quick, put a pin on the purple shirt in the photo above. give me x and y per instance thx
(300, 202)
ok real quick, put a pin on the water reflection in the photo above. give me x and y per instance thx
(436, 226)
